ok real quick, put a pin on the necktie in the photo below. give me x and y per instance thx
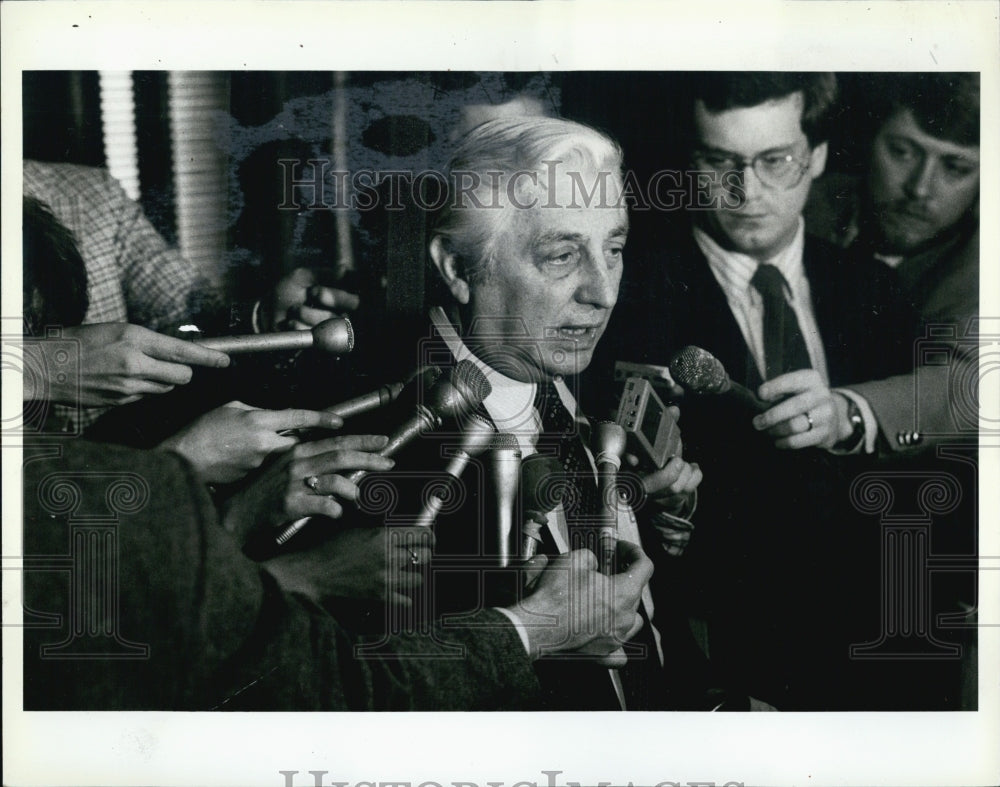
(784, 346)
(560, 430)
(582, 685)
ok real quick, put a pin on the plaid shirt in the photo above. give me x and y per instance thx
(132, 274)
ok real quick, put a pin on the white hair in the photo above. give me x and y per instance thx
(480, 171)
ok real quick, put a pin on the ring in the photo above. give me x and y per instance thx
(414, 557)
(810, 420)
(312, 482)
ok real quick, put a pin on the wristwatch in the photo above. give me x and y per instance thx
(853, 441)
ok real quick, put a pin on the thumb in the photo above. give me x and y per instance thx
(533, 569)
(302, 277)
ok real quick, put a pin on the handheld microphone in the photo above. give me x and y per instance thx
(701, 373)
(505, 471)
(452, 397)
(476, 438)
(380, 397)
(539, 497)
(335, 336)
(608, 445)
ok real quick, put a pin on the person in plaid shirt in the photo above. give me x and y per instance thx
(136, 286)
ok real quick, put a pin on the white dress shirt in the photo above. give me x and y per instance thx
(733, 271)
(511, 406)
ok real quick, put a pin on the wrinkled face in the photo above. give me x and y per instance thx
(763, 220)
(554, 280)
(920, 185)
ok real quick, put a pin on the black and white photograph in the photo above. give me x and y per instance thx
(509, 421)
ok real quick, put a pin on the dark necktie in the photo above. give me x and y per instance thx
(561, 432)
(784, 346)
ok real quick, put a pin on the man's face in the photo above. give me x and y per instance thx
(920, 185)
(766, 220)
(554, 281)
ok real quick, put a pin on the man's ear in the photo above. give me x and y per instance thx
(451, 269)
(817, 160)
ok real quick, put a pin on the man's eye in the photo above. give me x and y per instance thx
(563, 258)
(958, 169)
(900, 151)
(777, 159)
(718, 163)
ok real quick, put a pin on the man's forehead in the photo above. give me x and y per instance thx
(774, 123)
(904, 124)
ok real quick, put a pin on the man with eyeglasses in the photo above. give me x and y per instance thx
(790, 320)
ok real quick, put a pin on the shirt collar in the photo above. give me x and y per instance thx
(511, 402)
(734, 270)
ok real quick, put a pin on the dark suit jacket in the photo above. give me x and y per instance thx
(762, 561)
(465, 577)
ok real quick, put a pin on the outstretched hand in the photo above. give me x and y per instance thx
(228, 442)
(119, 363)
(308, 480)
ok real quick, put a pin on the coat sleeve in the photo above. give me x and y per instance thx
(136, 599)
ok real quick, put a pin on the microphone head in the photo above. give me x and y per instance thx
(699, 371)
(335, 336)
(540, 492)
(424, 376)
(505, 441)
(461, 392)
(478, 434)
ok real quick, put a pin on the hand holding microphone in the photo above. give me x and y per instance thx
(450, 397)
(806, 414)
(797, 409)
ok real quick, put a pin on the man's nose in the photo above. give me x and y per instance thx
(600, 286)
(921, 179)
(750, 183)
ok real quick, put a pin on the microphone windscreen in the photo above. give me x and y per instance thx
(539, 490)
(699, 371)
(469, 377)
(335, 336)
(505, 441)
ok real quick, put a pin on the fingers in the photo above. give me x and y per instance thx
(789, 408)
(310, 316)
(789, 383)
(278, 420)
(532, 569)
(334, 299)
(360, 442)
(167, 348)
(676, 477)
(340, 460)
(661, 479)
(634, 568)
(333, 485)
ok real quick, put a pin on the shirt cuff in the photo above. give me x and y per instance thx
(868, 416)
(522, 632)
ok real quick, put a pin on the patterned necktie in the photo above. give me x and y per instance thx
(784, 346)
(560, 430)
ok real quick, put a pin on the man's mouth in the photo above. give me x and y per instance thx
(910, 212)
(578, 332)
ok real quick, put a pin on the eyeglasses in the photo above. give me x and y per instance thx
(781, 169)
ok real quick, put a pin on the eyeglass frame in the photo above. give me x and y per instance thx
(740, 164)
